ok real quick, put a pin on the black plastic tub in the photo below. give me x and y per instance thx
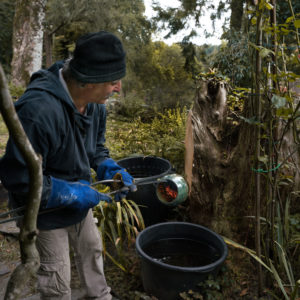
(148, 168)
(156, 247)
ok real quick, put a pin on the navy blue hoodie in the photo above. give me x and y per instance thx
(70, 143)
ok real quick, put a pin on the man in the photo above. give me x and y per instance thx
(63, 114)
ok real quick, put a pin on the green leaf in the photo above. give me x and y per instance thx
(278, 101)
(284, 112)
(132, 212)
(119, 213)
(269, 6)
(247, 250)
(116, 263)
(263, 159)
(297, 23)
(289, 19)
(251, 120)
(279, 281)
(285, 31)
(138, 211)
(286, 264)
(113, 231)
(264, 52)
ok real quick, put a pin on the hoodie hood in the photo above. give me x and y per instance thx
(48, 81)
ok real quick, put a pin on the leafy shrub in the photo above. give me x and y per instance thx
(162, 137)
(132, 106)
(16, 91)
(118, 222)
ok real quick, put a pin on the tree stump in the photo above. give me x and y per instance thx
(217, 161)
(220, 164)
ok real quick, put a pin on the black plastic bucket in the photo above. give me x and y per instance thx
(150, 168)
(165, 280)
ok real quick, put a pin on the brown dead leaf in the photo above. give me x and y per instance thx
(243, 292)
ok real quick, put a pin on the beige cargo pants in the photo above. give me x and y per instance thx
(54, 275)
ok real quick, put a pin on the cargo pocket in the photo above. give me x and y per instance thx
(53, 279)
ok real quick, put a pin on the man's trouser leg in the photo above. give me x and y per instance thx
(87, 245)
(55, 271)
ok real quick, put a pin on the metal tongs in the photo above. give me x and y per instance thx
(137, 182)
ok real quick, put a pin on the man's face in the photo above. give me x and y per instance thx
(100, 92)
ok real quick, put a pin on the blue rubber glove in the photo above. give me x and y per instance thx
(78, 195)
(109, 169)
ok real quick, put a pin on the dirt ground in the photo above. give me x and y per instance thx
(236, 280)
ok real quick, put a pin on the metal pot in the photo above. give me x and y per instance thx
(173, 190)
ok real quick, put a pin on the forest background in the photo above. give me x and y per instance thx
(259, 55)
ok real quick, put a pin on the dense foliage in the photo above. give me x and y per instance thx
(234, 59)
(163, 136)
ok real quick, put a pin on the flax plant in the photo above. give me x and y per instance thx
(119, 223)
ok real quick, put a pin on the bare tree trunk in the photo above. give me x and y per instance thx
(29, 254)
(48, 44)
(237, 12)
(27, 40)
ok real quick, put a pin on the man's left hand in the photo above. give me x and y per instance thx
(109, 169)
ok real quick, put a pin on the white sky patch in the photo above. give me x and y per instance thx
(205, 21)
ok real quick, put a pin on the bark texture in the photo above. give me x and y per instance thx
(48, 44)
(237, 11)
(217, 163)
(27, 39)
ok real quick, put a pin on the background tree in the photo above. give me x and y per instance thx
(27, 39)
(67, 20)
(7, 9)
(237, 12)
(234, 59)
(161, 70)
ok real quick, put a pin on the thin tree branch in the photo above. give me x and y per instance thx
(29, 255)
(258, 134)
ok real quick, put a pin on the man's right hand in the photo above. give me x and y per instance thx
(78, 195)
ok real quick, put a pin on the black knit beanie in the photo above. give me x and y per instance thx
(98, 57)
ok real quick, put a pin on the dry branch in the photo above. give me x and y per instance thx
(29, 255)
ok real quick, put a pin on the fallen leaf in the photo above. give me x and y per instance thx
(243, 292)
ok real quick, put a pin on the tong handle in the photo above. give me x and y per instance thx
(105, 181)
(18, 209)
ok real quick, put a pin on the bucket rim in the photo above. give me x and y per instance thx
(206, 268)
(145, 157)
(170, 169)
